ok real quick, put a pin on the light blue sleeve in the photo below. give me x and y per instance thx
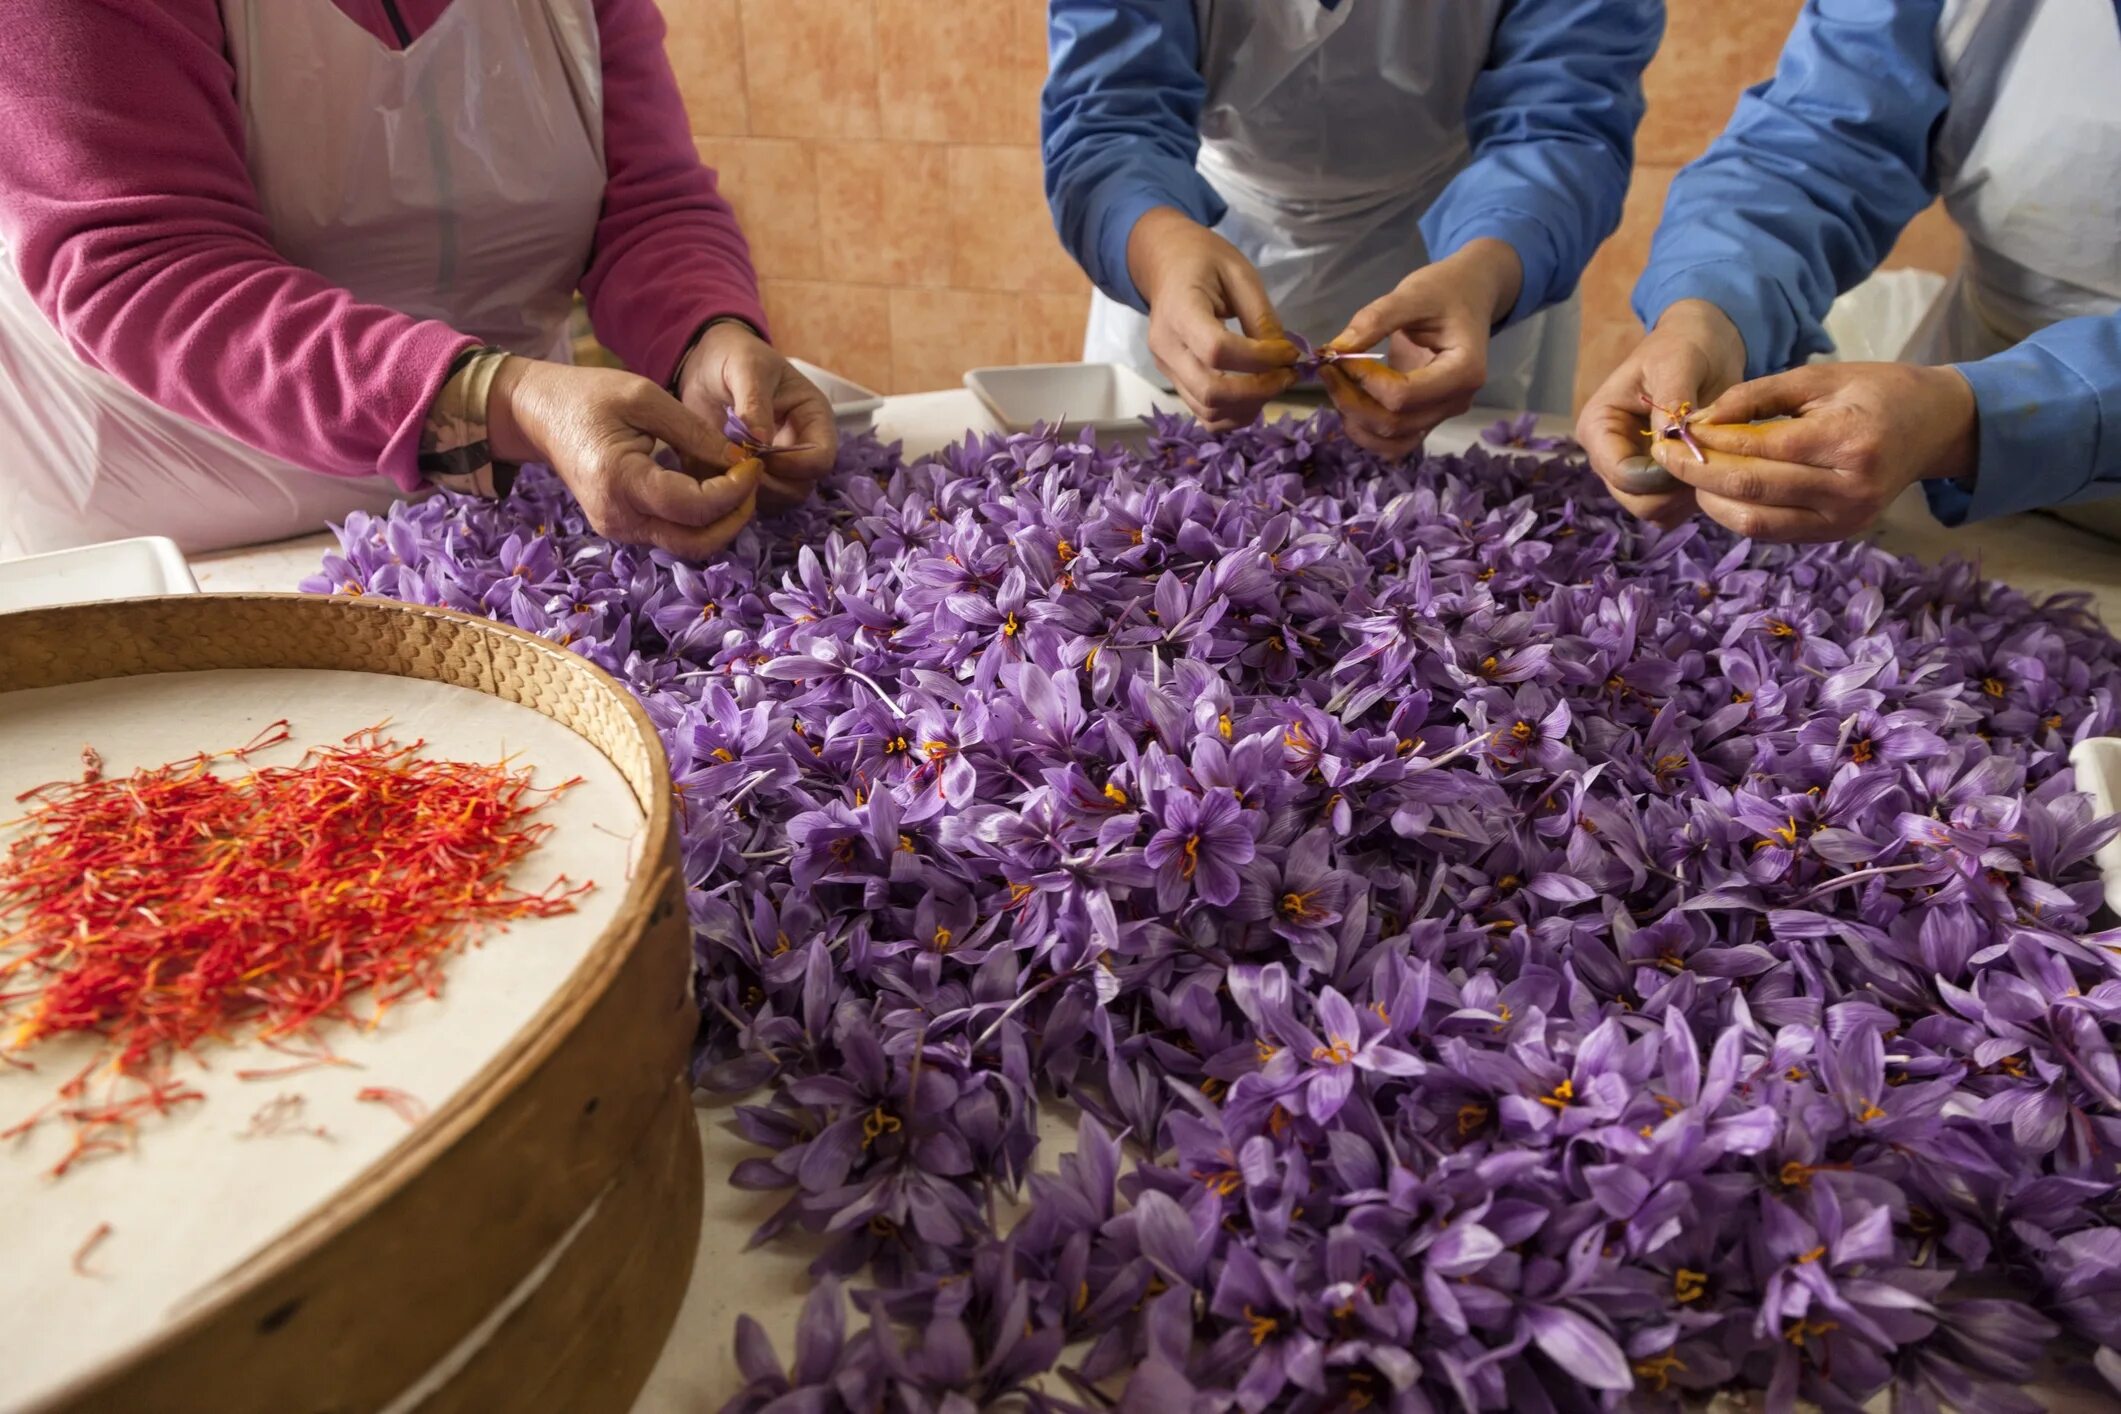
(1551, 120)
(1119, 124)
(1816, 175)
(2050, 413)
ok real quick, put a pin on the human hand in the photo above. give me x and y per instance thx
(733, 369)
(598, 429)
(1437, 320)
(1194, 280)
(1693, 354)
(1853, 436)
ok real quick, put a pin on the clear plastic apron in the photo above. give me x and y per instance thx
(457, 180)
(1329, 133)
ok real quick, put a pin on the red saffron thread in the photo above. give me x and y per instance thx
(404, 1106)
(179, 906)
(81, 1253)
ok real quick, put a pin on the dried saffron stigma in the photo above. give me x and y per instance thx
(183, 904)
(83, 1252)
(406, 1107)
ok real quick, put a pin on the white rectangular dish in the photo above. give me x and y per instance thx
(1106, 399)
(116, 569)
(853, 406)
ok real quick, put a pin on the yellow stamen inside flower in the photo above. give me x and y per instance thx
(1993, 686)
(1779, 628)
(1262, 1327)
(1523, 731)
(1223, 1182)
(1862, 752)
(1066, 551)
(722, 753)
(1009, 626)
(1223, 726)
(1562, 1094)
(942, 939)
(937, 750)
(1297, 907)
(1339, 1053)
(1656, 1372)
(877, 1123)
(1869, 1112)
(1114, 794)
(1688, 1286)
(1191, 863)
(1812, 1256)
(1470, 1118)
(1801, 1331)
(905, 843)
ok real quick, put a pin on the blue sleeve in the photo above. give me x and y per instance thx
(1119, 123)
(2050, 412)
(1551, 120)
(1818, 172)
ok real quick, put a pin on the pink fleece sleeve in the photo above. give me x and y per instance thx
(130, 216)
(668, 255)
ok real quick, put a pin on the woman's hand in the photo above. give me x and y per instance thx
(598, 428)
(1194, 280)
(731, 368)
(1851, 438)
(1693, 354)
(1437, 320)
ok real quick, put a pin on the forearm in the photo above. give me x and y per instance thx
(1552, 122)
(669, 256)
(1806, 190)
(128, 213)
(1120, 119)
(2049, 415)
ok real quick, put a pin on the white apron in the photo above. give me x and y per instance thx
(2029, 158)
(459, 180)
(1329, 133)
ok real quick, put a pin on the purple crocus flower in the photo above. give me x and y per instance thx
(1200, 846)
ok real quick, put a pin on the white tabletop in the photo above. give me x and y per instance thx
(698, 1369)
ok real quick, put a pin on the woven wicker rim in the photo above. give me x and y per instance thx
(79, 643)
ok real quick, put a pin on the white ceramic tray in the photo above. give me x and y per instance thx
(1104, 398)
(116, 569)
(853, 406)
(2097, 762)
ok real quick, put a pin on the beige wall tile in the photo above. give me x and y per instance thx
(1002, 236)
(1713, 49)
(884, 212)
(706, 47)
(843, 328)
(937, 334)
(1050, 327)
(810, 67)
(959, 70)
(772, 185)
(1609, 327)
(1930, 242)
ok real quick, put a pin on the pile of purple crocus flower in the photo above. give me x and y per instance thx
(1504, 956)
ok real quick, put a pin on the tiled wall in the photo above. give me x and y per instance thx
(883, 155)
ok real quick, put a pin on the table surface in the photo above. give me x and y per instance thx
(698, 1369)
